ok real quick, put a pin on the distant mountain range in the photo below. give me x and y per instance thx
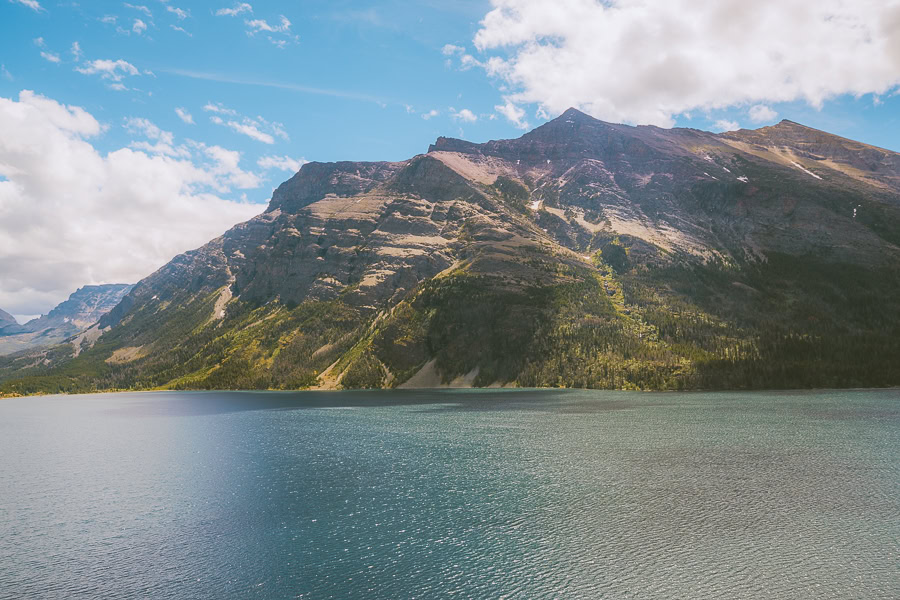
(582, 254)
(82, 309)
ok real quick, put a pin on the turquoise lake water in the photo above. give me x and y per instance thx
(440, 494)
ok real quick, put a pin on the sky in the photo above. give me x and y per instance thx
(131, 132)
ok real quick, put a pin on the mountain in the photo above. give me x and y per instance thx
(583, 254)
(82, 310)
(8, 323)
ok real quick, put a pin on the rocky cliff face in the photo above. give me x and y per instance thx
(79, 312)
(582, 254)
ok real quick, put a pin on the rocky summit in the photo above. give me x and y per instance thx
(582, 254)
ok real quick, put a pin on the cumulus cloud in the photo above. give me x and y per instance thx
(430, 114)
(283, 163)
(762, 113)
(465, 115)
(184, 115)
(139, 27)
(76, 51)
(71, 215)
(647, 61)
(515, 114)
(233, 12)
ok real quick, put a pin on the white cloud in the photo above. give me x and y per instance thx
(515, 114)
(257, 128)
(726, 125)
(32, 4)
(140, 8)
(233, 12)
(181, 14)
(219, 108)
(645, 61)
(430, 114)
(76, 50)
(257, 25)
(762, 113)
(182, 30)
(283, 163)
(184, 115)
(114, 70)
(134, 210)
(139, 27)
(46, 55)
(163, 141)
(109, 19)
(465, 115)
(451, 49)
(5, 72)
(248, 129)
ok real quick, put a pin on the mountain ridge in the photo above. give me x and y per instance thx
(581, 254)
(84, 307)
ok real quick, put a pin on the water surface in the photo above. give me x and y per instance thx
(473, 494)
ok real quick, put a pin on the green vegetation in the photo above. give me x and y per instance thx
(789, 323)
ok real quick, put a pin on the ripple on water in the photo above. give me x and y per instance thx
(474, 495)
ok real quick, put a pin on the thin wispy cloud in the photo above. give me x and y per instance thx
(465, 115)
(46, 54)
(140, 8)
(238, 9)
(256, 128)
(281, 163)
(184, 115)
(257, 25)
(32, 4)
(276, 85)
(180, 13)
(112, 70)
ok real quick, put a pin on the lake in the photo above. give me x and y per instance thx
(438, 494)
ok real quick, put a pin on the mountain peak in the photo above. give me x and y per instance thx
(573, 112)
(7, 319)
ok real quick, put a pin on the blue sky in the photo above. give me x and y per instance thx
(263, 86)
(350, 81)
